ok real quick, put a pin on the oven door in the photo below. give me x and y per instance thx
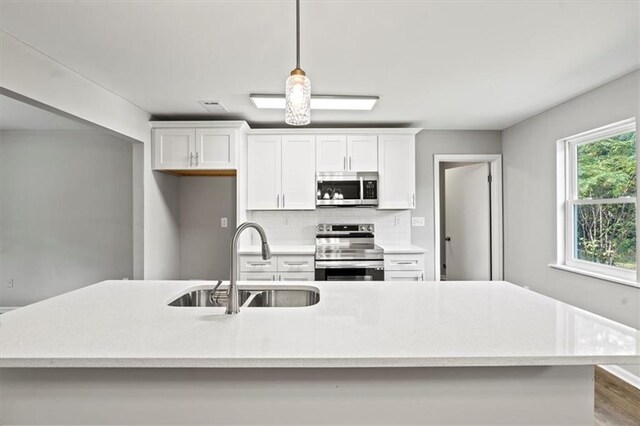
(349, 270)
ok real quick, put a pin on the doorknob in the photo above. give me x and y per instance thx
(447, 238)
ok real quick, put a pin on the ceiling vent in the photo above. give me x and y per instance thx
(214, 107)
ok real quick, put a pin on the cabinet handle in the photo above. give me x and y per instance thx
(295, 264)
(413, 200)
(257, 263)
(283, 201)
(344, 163)
(278, 200)
(421, 277)
(191, 159)
(197, 158)
(406, 263)
(349, 163)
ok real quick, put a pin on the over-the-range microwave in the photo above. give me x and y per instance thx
(347, 189)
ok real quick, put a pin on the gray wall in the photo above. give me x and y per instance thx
(67, 212)
(204, 244)
(428, 143)
(529, 155)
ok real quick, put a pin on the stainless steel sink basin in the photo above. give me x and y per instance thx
(251, 297)
(282, 298)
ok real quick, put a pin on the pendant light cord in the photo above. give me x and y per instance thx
(297, 33)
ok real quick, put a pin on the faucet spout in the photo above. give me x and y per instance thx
(232, 301)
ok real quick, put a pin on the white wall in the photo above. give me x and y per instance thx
(529, 161)
(428, 143)
(67, 212)
(29, 73)
(204, 244)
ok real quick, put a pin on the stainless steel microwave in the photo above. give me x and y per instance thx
(346, 189)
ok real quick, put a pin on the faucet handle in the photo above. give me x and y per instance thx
(213, 293)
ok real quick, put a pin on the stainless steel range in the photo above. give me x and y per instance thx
(348, 253)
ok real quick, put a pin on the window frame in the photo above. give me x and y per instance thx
(570, 200)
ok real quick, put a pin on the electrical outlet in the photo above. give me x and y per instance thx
(417, 221)
(223, 222)
(10, 282)
(396, 220)
(285, 221)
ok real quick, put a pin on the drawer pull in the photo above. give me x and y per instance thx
(407, 263)
(296, 264)
(257, 263)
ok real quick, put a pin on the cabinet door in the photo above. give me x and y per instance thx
(331, 153)
(296, 276)
(257, 276)
(298, 173)
(255, 263)
(215, 149)
(263, 172)
(296, 263)
(362, 153)
(397, 172)
(404, 262)
(404, 275)
(172, 148)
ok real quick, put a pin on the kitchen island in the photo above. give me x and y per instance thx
(380, 353)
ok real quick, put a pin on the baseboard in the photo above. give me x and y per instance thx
(623, 374)
(4, 309)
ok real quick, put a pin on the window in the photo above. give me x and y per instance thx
(599, 205)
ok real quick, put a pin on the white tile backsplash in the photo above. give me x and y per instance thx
(299, 227)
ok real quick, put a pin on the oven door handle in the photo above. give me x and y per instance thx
(348, 264)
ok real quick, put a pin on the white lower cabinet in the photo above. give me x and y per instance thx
(403, 275)
(278, 268)
(296, 276)
(404, 267)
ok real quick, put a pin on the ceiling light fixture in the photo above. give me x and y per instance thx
(298, 87)
(335, 102)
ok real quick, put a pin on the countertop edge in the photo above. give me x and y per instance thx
(314, 362)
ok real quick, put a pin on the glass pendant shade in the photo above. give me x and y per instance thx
(298, 99)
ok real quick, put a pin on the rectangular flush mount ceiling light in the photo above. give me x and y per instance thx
(360, 103)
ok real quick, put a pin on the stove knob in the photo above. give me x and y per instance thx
(370, 228)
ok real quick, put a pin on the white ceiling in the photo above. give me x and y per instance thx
(17, 115)
(437, 64)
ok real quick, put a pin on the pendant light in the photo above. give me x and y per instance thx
(298, 91)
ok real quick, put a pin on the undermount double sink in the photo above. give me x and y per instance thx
(251, 297)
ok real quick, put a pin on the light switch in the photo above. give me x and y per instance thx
(223, 222)
(417, 221)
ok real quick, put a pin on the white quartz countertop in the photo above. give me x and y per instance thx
(383, 324)
(311, 249)
(281, 249)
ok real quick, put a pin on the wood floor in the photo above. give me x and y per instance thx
(617, 402)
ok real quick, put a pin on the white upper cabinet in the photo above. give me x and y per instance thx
(298, 172)
(362, 153)
(397, 172)
(215, 149)
(264, 165)
(281, 172)
(188, 149)
(353, 153)
(173, 148)
(331, 153)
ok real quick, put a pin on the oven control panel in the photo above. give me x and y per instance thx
(361, 227)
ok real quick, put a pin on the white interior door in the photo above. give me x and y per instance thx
(468, 218)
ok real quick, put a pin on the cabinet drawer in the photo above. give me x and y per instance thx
(404, 262)
(296, 263)
(296, 276)
(403, 275)
(257, 276)
(255, 263)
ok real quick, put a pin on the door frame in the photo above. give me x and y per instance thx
(497, 249)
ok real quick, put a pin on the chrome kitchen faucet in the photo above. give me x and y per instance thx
(232, 300)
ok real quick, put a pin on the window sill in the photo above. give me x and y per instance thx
(595, 275)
